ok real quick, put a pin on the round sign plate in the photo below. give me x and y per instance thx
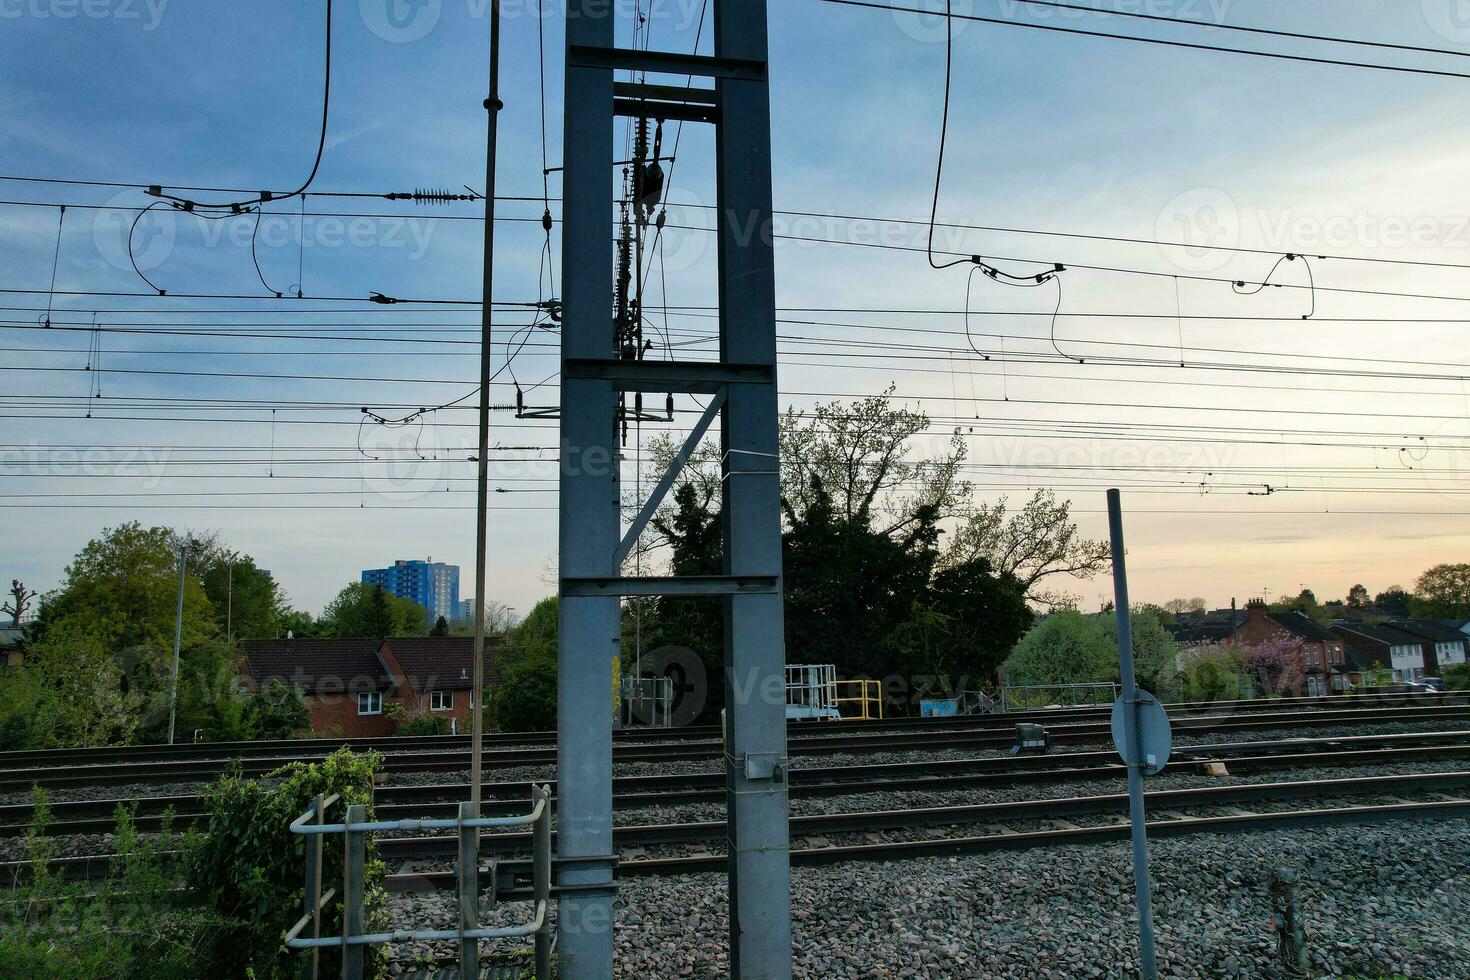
(1154, 737)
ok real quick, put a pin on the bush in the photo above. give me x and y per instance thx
(425, 724)
(277, 711)
(1456, 677)
(250, 868)
(137, 923)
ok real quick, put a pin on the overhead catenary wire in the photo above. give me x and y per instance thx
(1165, 42)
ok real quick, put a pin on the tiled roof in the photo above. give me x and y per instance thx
(1301, 627)
(1379, 633)
(442, 662)
(319, 666)
(1199, 632)
(1429, 629)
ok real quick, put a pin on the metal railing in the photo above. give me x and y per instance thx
(1023, 697)
(354, 938)
(869, 699)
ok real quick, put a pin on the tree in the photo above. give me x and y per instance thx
(1443, 592)
(525, 698)
(1033, 545)
(1182, 607)
(1209, 672)
(68, 692)
(858, 454)
(838, 569)
(441, 627)
(247, 601)
(20, 601)
(125, 584)
(277, 710)
(362, 610)
(1275, 665)
(1069, 647)
(966, 627)
(1393, 601)
(1357, 597)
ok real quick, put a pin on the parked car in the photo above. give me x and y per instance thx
(1433, 683)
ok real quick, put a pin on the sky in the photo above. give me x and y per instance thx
(1291, 438)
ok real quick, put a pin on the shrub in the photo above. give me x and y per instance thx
(250, 869)
(137, 923)
(1456, 677)
(424, 724)
(277, 711)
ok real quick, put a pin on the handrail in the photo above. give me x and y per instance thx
(353, 939)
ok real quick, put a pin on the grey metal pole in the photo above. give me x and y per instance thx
(541, 878)
(469, 891)
(1143, 889)
(589, 633)
(755, 650)
(354, 872)
(173, 688)
(482, 485)
(311, 959)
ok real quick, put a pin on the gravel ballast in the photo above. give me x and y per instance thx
(1379, 901)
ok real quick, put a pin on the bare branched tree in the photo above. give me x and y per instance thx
(1035, 544)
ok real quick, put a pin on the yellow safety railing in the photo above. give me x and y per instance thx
(869, 699)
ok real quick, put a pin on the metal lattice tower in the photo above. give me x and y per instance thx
(742, 392)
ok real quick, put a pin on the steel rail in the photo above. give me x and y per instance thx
(39, 758)
(404, 763)
(938, 776)
(1001, 814)
(983, 813)
(951, 846)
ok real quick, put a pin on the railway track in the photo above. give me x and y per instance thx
(451, 760)
(1000, 818)
(317, 747)
(708, 788)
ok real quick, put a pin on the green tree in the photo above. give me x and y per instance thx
(1357, 597)
(1069, 647)
(965, 628)
(1066, 647)
(362, 610)
(277, 710)
(1393, 602)
(441, 627)
(838, 570)
(125, 585)
(525, 698)
(1443, 592)
(247, 601)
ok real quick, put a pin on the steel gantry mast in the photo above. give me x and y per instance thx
(596, 371)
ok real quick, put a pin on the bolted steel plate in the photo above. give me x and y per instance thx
(1156, 739)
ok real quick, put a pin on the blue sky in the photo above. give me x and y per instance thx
(1047, 131)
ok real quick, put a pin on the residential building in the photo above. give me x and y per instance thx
(1324, 660)
(350, 685)
(1443, 645)
(1377, 645)
(433, 585)
(10, 642)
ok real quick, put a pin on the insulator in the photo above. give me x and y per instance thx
(428, 196)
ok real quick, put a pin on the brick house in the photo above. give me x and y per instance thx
(350, 685)
(1380, 645)
(1324, 661)
(11, 638)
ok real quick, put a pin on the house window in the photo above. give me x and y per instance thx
(1315, 687)
(441, 700)
(370, 703)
